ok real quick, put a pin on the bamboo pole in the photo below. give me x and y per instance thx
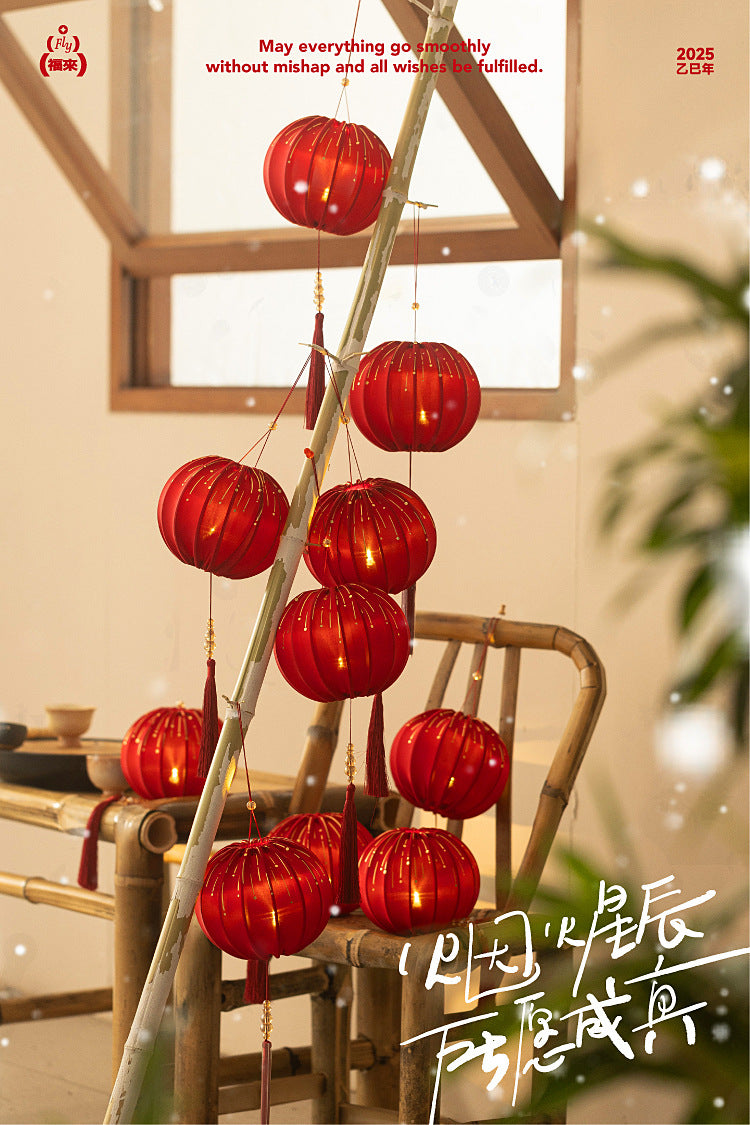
(56, 1006)
(139, 1044)
(35, 889)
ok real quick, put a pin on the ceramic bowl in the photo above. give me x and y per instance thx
(68, 721)
(105, 772)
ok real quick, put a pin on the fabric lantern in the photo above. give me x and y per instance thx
(321, 834)
(338, 643)
(374, 532)
(263, 898)
(160, 752)
(326, 174)
(415, 397)
(449, 763)
(341, 642)
(223, 517)
(417, 878)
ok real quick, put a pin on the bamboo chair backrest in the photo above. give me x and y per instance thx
(511, 636)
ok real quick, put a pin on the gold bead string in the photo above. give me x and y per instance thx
(209, 643)
(351, 764)
(266, 1023)
(318, 295)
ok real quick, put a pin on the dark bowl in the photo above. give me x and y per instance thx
(12, 735)
(60, 769)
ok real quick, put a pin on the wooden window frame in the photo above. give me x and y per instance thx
(540, 225)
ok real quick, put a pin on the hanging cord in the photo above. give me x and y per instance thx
(415, 237)
(265, 436)
(345, 80)
(210, 719)
(351, 452)
(471, 702)
(347, 892)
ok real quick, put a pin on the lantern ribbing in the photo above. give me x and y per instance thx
(139, 1045)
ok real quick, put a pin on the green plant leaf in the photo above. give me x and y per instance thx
(697, 593)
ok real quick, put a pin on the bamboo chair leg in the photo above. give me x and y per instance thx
(421, 1010)
(379, 1020)
(197, 1015)
(139, 879)
(331, 1036)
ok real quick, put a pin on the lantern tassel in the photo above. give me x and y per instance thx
(376, 777)
(348, 888)
(88, 870)
(255, 981)
(265, 1064)
(265, 1083)
(316, 379)
(408, 604)
(210, 732)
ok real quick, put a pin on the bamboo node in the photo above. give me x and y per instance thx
(209, 643)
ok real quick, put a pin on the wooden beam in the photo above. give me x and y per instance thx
(476, 238)
(490, 131)
(55, 1006)
(516, 404)
(65, 144)
(17, 5)
(568, 244)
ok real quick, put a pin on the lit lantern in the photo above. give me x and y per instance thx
(320, 833)
(416, 878)
(415, 397)
(326, 174)
(341, 642)
(159, 754)
(449, 763)
(263, 898)
(375, 532)
(223, 517)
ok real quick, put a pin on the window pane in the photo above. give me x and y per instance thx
(245, 329)
(223, 122)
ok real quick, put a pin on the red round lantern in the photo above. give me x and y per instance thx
(342, 642)
(263, 898)
(159, 754)
(222, 517)
(320, 833)
(375, 532)
(415, 878)
(326, 174)
(449, 763)
(417, 397)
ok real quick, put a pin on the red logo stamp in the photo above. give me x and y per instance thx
(63, 55)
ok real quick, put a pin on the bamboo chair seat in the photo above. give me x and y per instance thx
(395, 1083)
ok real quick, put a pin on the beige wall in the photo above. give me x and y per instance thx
(94, 608)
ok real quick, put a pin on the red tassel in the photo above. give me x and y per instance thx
(210, 733)
(408, 604)
(88, 870)
(316, 379)
(348, 888)
(265, 1083)
(255, 982)
(376, 783)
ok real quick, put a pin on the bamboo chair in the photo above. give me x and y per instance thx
(395, 1083)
